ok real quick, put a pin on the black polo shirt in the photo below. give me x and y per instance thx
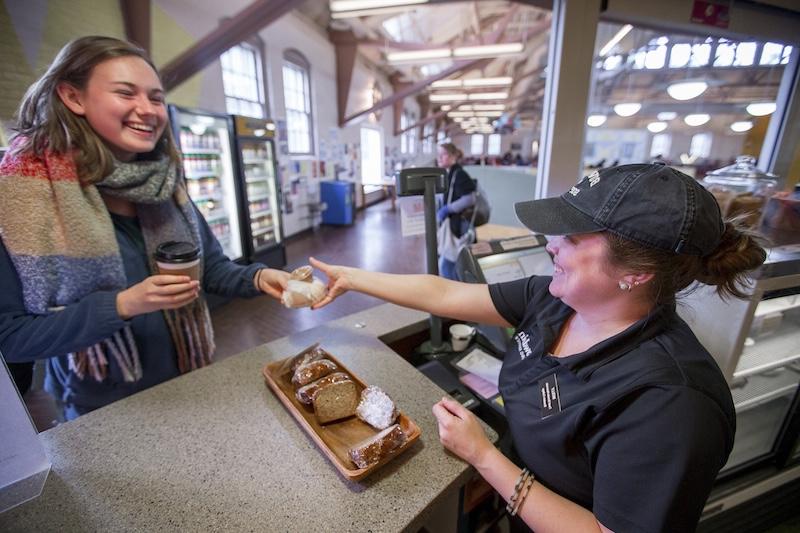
(635, 429)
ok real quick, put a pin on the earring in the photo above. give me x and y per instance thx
(636, 283)
(625, 286)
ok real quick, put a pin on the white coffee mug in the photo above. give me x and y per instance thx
(460, 335)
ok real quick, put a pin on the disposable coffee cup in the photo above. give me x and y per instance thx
(460, 336)
(178, 258)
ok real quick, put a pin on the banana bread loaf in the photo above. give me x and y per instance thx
(335, 401)
(375, 448)
(305, 394)
(313, 371)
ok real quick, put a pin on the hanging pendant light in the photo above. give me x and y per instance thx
(627, 109)
(742, 126)
(657, 127)
(686, 90)
(761, 109)
(596, 120)
(666, 115)
(697, 119)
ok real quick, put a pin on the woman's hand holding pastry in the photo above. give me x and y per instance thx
(272, 282)
(460, 432)
(339, 281)
(155, 294)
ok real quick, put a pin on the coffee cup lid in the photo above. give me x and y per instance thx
(177, 251)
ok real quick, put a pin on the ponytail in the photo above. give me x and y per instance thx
(739, 252)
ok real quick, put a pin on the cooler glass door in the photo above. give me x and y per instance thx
(205, 142)
(766, 378)
(261, 196)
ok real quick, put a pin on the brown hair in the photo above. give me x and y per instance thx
(453, 150)
(45, 123)
(739, 252)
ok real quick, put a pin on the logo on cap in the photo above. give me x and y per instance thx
(594, 178)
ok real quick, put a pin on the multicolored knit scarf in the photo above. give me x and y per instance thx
(60, 237)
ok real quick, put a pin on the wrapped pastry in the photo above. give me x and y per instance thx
(306, 357)
(374, 449)
(305, 394)
(303, 289)
(376, 408)
(335, 401)
(312, 372)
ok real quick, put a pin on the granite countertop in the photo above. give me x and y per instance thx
(215, 450)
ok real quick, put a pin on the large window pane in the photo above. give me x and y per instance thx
(242, 82)
(297, 100)
(699, 126)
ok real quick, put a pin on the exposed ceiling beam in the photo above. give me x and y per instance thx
(416, 87)
(241, 26)
(346, 48)
(458, 66)
(136, 17)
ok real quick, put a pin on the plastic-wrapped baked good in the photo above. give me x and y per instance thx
(376, 408)
(335, 401)
(306, 357)
(305, 394)
(312, 371)
(375, 448)
(302, 289)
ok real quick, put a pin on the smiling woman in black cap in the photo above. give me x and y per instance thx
(620, 418)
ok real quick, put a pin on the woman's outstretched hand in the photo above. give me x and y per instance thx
(339, 281)
(460, 432)
(272, 282)
(156, 293)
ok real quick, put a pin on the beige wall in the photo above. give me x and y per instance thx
(31, 38)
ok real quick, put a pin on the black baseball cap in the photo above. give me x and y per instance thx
(651, 204)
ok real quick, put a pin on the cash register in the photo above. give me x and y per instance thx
(503, 260)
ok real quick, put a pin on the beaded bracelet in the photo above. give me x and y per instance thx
(523, 494)
(521, 488)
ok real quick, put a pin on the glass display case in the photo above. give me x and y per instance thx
(756, 342)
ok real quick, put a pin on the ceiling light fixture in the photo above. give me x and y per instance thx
(448, 97)
(489, 82)
(359, 8)
(488, 96)
(742, 126)
(623, 31)
(485, 107)
(627, 109)
(657, 127)
(596, 120)
(446, 83)
(488, 50)
(446, 108)
(697, 119)
(686, 90)
(666, 115)
(418, 55)
(761, 109)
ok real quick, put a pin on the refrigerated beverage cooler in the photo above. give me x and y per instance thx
(258, 178)
(209, 163)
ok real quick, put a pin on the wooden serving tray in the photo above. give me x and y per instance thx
(335, 438)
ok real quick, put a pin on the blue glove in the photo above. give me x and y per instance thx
(442, 213)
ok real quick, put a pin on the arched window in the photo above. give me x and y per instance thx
(297, 100)
(242, 80)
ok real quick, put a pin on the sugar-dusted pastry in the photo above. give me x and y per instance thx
(376, 408)
(303, 289)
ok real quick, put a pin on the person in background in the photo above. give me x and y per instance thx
(457, 197)
(91, 185)
(620, 418)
